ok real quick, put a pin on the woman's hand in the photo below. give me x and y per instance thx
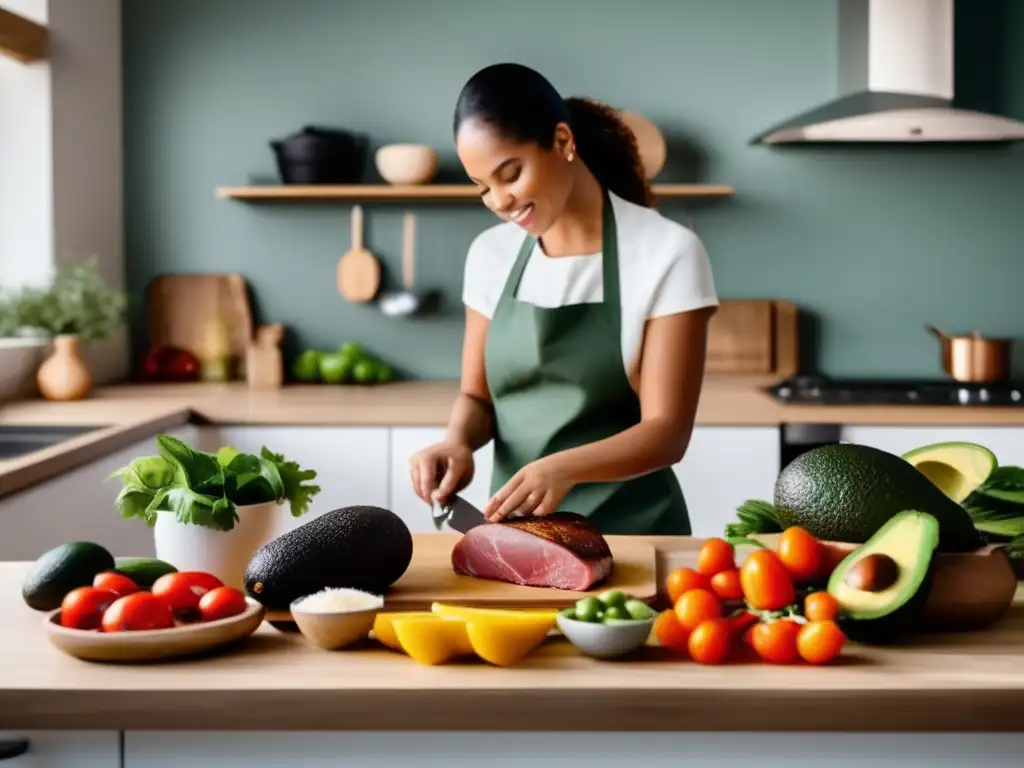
(535, 490)
(441, 470)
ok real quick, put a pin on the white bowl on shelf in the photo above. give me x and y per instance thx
(406, 163)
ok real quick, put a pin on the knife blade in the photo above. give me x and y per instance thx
(460, 515)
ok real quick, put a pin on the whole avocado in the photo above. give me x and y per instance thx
(359, 547)
(847, 492)
(62, 569)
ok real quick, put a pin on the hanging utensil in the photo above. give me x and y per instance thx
(973, 358)
(358, 269)
(405, 302)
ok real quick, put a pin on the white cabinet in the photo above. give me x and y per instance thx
(64, 749)
(351, 462)
(77, 505)
(406, 441)
(722, 468)
(1006, 442)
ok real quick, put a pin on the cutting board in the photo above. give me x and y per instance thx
(430, 578)
(178, 308)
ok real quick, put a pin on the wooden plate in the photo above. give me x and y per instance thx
(156, 644)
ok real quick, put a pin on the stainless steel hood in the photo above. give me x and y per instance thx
(896, 75)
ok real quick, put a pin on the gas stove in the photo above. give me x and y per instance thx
(821, 390)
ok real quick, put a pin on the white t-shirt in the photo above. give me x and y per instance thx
(663, 270)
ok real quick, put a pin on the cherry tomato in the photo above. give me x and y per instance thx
(220, 603)
(182, 591)
(726, 584)
(775, 641)
(800, 553)
(682, 580)
(710, 642)
(741, 624)
(767, 585)
(669, 632)
(716, 555)
(820, 606)
(696, 606)
(137, 612)
(820, 641)
(83, 608)
(117, 583)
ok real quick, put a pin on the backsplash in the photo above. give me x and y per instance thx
(872, 242)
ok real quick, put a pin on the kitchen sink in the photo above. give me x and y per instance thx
(16, 441)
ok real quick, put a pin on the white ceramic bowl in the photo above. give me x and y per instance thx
(606, 641)
(406, 163)
(336, 629)
(20, 358)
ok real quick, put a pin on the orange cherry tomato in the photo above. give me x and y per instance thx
(716, 555)
(800, 552)
(682, 580)
(726, 584)
(710, 642)
(696, 606)
(137, 612)
(83, 608)
(767, 585)
(820, 606)
(775, 641)
(820, 641)
(221, 603)
(183, 590)
(117, 583)
(669, 632)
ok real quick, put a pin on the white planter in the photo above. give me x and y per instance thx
(225, 554)
(20, 358)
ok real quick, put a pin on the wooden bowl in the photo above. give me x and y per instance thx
(406, 163)
(971, 589)
(335, 630)
(154, 644)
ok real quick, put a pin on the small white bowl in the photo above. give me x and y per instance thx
(606, 641)
(406, 163)
(335, 629)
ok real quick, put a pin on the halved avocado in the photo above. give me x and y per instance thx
(957, 468)
(882, 586)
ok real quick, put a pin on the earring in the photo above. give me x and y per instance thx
(570, 156)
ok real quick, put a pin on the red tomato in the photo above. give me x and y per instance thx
(800, 553)
(716, 555)
(775, 641)
(117, 583)
(726, 584)
(220, 603)
(767, 585)
(83, 608)
(137, 612)
(710, 642)
(182, 591)
(696, 606)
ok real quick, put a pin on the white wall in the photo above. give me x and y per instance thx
(60, 155)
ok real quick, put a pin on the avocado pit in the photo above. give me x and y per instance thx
(873, 573)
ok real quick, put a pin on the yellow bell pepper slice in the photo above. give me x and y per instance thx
(504, 641)
(467, 613)
(384, 630)
(431, 639)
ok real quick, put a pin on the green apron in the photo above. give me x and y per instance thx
(557, 381)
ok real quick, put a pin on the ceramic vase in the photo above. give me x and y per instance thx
(225, 554)
(64, 374)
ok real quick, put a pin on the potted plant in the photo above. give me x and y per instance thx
(211, 512)
(78, 307)
(21, 349)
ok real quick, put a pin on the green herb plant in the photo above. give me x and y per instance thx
(205, 489)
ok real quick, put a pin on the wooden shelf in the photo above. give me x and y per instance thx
(424, 192)
(22, 39)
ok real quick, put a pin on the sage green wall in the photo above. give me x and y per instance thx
(874, 242)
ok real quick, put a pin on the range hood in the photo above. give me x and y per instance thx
(896, 76)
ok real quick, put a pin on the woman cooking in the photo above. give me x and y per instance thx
(586, 318)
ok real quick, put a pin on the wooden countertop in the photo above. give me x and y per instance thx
(275, 681)
(130, 413)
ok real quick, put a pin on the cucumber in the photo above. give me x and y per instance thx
(143, 570)
(62, 569)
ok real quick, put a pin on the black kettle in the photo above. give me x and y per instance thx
(319, 156)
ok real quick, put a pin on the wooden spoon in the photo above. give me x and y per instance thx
(358, 269)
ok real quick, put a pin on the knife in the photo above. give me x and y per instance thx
(460, 515)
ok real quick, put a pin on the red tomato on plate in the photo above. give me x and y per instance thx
(221, 603)
(137, 612)
(183, 591)
(83, 608)
(117, 583)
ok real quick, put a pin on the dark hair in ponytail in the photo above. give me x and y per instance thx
(523, 106)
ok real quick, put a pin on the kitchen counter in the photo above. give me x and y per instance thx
(275, 681)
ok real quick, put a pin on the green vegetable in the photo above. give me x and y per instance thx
(754, 516)
(613, 598)
(589, 609)
(144, 571)
(204, 489)
(611, 606)
(62, 569)
(639, 610)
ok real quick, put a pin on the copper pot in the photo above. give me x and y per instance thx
(974, 358)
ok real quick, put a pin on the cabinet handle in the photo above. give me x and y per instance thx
(13, 748)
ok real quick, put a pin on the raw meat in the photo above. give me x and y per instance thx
(562, 551)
